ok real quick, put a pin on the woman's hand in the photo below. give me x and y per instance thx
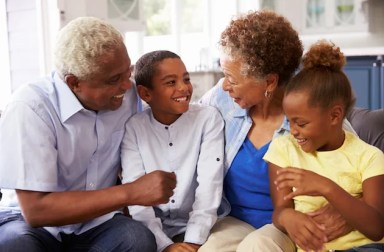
(335, 225)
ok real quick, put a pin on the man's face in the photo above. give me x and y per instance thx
(105, 90)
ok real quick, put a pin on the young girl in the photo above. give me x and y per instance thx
(320, 163)
(175, 136)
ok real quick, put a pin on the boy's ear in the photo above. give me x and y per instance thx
(144, 93)
(337, 114)
(72, 82)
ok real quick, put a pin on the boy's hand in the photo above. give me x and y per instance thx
(303, 230)
(182, 247)
(153, 188)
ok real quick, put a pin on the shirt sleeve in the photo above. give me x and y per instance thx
(278, 152)
(210, 173)
(132, 169)
(28, 155)
(374, 164)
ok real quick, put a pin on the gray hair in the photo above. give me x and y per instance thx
(81, 44)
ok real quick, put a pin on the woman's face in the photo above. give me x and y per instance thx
(246, 91)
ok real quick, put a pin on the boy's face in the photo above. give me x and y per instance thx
(171, 91)
(311, 126)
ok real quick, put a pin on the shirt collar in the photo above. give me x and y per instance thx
(67, 101)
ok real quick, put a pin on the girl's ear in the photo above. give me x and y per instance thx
(337, 114)
(144, 93)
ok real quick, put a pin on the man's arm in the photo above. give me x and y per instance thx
(63, 208)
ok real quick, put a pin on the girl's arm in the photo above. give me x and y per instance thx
(352, 209)
(304, 231)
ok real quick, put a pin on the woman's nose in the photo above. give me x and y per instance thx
(226, 86)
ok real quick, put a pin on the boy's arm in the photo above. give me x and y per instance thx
(210, 173)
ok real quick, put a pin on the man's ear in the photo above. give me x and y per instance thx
(72, 82)
(337, 114)
(144, 93)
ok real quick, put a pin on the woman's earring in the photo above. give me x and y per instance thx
(267, 94)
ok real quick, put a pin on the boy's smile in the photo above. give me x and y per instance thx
(171, 91)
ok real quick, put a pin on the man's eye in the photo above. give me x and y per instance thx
(114, 79)
(187, 80)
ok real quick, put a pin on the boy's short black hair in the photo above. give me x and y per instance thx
(145, 67)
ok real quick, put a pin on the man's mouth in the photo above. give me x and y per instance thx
(118, 96)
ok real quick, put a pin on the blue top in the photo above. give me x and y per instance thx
(50, 143)
(237, 125)
(246, 186)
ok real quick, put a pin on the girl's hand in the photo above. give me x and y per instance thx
(303, 230)
(303, 181)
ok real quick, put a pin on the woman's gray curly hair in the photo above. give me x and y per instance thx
(81, 44)
(264, 42)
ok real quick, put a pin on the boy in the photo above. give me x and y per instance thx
(185, 139)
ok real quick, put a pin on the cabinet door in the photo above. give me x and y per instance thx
(364, 75)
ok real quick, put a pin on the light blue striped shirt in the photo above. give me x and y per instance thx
(50, 143)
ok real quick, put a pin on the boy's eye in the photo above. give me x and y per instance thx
(171, 82)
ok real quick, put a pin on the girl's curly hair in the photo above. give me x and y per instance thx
(265, 43)
(323, 78)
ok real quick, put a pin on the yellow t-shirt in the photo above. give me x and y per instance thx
(348, 166)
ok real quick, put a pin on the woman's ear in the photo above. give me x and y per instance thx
(272, 82)
(72, 82)
(144, 93)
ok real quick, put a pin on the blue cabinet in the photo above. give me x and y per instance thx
(366, 75)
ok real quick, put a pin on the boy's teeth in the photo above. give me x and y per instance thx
(181, 99)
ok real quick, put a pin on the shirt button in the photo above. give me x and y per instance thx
(92, 185)
(166, 127)
(170, 144)
(217, 159)
(172, 201)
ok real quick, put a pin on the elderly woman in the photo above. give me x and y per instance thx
(260, 53)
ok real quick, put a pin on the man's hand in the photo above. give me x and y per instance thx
(182, 247)
(334, 223)
(153, 188)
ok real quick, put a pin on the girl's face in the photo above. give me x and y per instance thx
(246, 91)
(171, 91)
(312, 127)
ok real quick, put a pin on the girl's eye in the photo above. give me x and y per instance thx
(301, 125)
